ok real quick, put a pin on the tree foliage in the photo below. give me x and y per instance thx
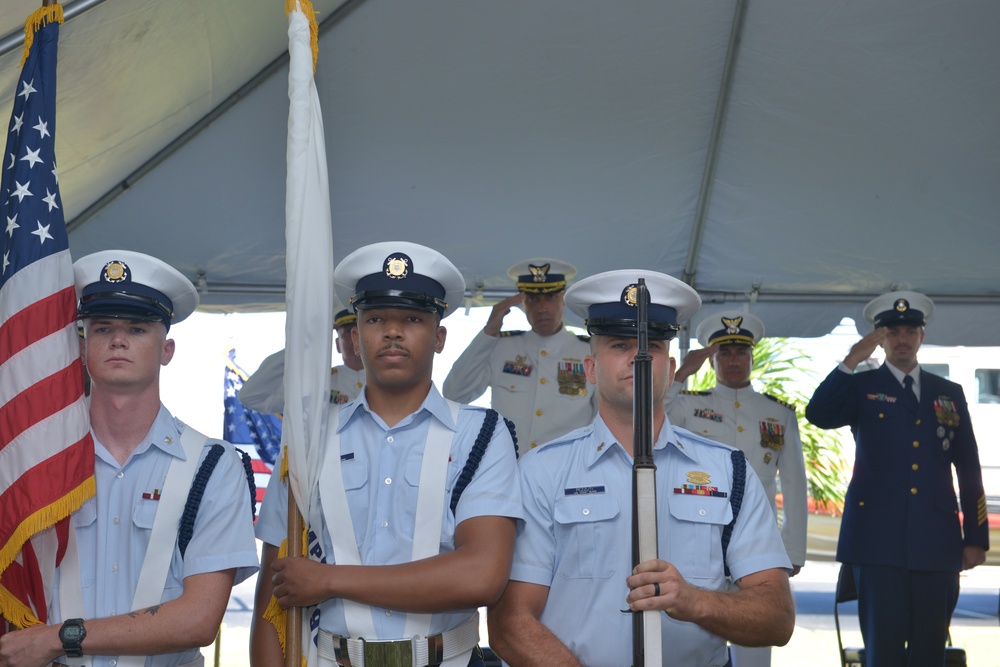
(780, 369)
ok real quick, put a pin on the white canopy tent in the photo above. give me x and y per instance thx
(795, 157)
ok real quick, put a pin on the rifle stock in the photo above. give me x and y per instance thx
(647, 647)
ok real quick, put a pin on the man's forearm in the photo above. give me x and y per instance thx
(761, 615)
(524, 642)
(190, 621)
(474, 575)
(518, 636)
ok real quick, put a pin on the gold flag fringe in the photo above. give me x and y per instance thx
(274, 614)
(37, 21)
(307, 9)
(10, 608)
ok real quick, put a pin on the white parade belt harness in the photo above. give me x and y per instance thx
(420, 650)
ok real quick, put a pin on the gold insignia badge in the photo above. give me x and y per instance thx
(631, 295)
(115, 272)
(902, 305)
(767, 457)
(732, 324)
(396, 267)
(539, 273)
(698, 477)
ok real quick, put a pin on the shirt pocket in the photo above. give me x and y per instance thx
(355, 475)
(85, 525)
(143, 518)
(587, 529)
(512, 384)
(695, 534)
(412, 476)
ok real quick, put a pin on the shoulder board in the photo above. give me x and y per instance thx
(585, 338)
(781, 402)
(506, 334)
(683, 435)
(691, 392)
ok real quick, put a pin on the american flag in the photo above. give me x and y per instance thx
(46, 451)
(255, 433)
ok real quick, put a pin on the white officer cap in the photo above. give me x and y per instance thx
(132, 285)
(399, 274)
(733, 327)
(902, 307)
(541, 275)
(607, 302)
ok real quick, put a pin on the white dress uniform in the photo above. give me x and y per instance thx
(767, 431)
(264, 391)
(763, 428)
(537, 381)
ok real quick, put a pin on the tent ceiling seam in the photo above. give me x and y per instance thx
(715, 143)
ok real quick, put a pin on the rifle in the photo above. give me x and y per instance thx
(647, 649)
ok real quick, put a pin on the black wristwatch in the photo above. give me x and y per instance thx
(71, 635)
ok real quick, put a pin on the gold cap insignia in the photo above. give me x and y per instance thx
(698, 477)
(902, 305)
(539, 273)
(396, 267)
(115, 272)
(631, 295)
(732, 324)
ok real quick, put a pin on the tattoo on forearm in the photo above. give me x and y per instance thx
(152, 611)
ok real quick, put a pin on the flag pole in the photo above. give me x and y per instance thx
(293, 619)
(308, 296)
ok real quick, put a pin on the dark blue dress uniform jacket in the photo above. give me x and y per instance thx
(901, 508)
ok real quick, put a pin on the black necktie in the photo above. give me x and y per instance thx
(910, 396)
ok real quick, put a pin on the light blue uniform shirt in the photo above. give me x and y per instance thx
(381, 470)
(113, 528)
(577, 538)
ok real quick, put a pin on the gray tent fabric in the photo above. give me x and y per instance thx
(795, 158)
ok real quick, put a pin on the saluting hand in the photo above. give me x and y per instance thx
(694, 360)
(299, 582)
(500, 310)
(863, 348)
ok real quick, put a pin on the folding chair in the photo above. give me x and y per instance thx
(847, 591)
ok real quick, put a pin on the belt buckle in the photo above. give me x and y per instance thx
(389, 653)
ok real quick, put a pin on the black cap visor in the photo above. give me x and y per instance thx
(625, 328)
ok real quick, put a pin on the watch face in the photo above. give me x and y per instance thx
(72, 633)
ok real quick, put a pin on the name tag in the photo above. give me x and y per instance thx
(583, 490)
(347, 457)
